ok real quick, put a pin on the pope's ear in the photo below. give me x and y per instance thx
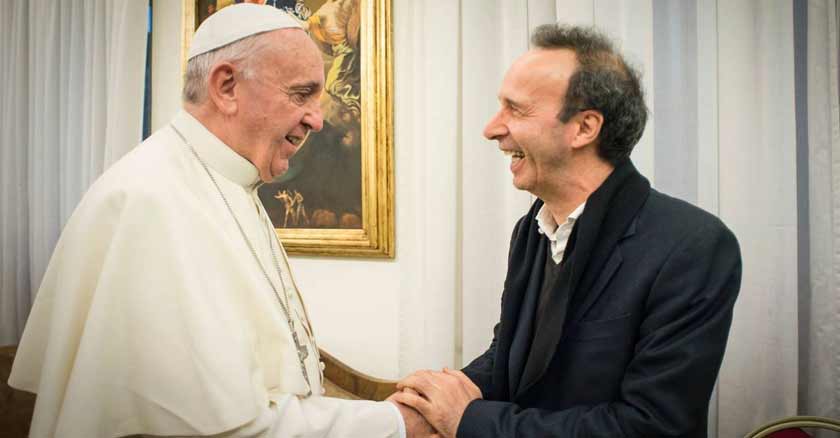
(221, 87)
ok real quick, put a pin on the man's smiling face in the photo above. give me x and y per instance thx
(527, 126)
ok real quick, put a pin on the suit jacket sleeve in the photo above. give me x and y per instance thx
(668, 383)
(480, 370)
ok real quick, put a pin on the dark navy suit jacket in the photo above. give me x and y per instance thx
(635, 351)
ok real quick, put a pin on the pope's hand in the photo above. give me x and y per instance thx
(441, 397)
(415, 425)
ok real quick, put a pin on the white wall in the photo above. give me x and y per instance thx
(166, 61)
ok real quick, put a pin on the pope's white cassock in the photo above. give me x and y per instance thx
(154, 317)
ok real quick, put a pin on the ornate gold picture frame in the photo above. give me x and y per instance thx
(337, 199)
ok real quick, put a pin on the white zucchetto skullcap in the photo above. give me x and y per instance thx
(235, 22)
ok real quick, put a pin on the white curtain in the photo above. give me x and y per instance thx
(14, 115)
(757, 199)
(72, 105)
(820, 141)
(455, 203)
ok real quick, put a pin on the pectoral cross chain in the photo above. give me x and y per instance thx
(302, 351)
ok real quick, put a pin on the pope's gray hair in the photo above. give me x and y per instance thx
(241, 52)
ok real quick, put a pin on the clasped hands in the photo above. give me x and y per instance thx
(433, 402)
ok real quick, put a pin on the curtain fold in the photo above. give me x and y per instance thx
(820, 378)
(14, 75)
(757, 168)
(72, 105)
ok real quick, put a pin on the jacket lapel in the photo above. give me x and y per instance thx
(605, 256)
(612, 265)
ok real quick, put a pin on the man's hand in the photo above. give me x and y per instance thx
(415, 425)
(442, 399)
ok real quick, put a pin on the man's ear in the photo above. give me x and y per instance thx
(222, 87)
(589, 124)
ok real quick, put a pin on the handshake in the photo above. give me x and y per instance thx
(433, 402)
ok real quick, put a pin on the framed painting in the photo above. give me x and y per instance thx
(337, 198)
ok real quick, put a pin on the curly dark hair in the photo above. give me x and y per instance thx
(603, 82)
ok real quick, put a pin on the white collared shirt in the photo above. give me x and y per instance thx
(558, 235)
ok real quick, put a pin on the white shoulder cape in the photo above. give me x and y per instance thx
(148, 319)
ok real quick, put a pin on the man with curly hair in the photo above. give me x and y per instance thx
(618, 298)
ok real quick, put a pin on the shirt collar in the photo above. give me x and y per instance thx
(215, 153)
(548, 226)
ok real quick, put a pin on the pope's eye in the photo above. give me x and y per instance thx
(298, 98)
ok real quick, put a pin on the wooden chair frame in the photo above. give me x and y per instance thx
(795, 422)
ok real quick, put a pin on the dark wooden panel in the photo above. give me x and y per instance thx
(15, 406)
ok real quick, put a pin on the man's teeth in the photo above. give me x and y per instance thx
(516, 155)
(293, 140)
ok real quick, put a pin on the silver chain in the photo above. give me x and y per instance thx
(302, 351)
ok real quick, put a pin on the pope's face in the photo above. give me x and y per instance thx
(280, 101)
(527, 127)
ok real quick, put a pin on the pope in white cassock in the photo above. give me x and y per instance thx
(168, 308)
